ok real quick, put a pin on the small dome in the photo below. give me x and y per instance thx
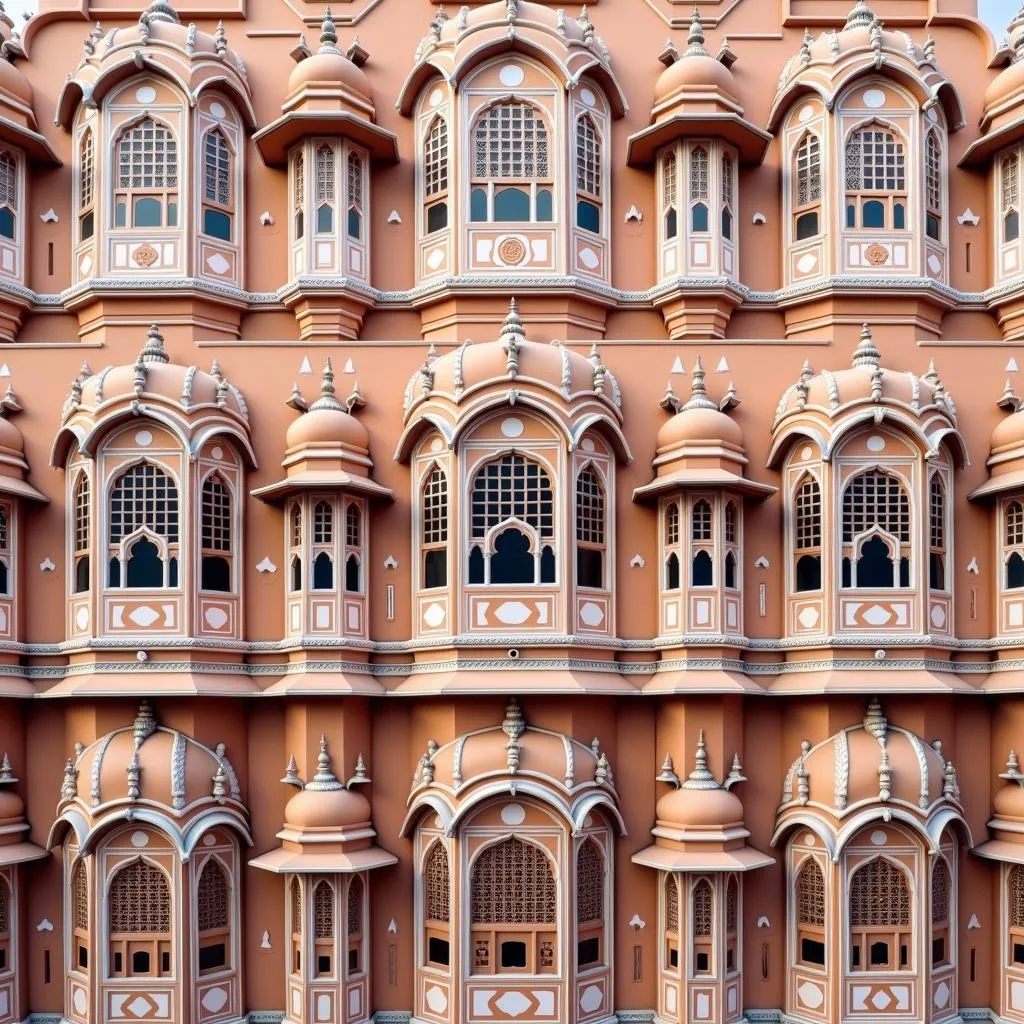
(1008, 803)
(1009, 433)
(328, 421)
(325, 803)
(12, 807)
(14, 83)
(1007, 85)
(329, 66)
(700, 803)
(12, 443)
(696, 69)
(699, 420)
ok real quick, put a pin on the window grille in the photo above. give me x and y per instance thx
(323, 523)
(732, 899)
(5, 908)
(435, 159)
(352, 526)
(810, 895)
(700, 525)
(355, 181)
(879, 896)
(8, 181)
(698, 174)
(876, 499)
(589, 508)
(672, 524)
(82, 514)
(435, 508)
(217, 176)
(808, 171)
(147, 157)
(296, 526)
(669, 180)
(437, 884)
(510, 140)
(300, 182)
(355, 906)
(671, 904)
(940, 892)
(296, 907)
(513, 487)
(216, 515)
(80, 897)
(1009, 181)
(1015, 523)
(1015, 901)
(4, 529)
(144, 496)
(808, 515)
(937, 510)
(86, 169)
(588, 157)
(875, 162)
(140, 901)
(323, 911)
(324, 175)
(589, 883)
(513, 884)
(212, 898)
(730, 523)
(933, 173)
(703, 901)
(726, 180)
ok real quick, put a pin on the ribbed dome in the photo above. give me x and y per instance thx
(696, 70)
(700, 803)
(330, 67)
(699, 420)
(328, 421)
(324, 803)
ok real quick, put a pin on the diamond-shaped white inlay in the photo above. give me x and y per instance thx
(941, 997)
(435, 258)
(880, 1000)
(214, 999)
(144, 616)
(215, 617)
(434, 615)
(513, 1003)
(810, 995)
(591, 998)
(938, 615)
(436, 999)
(592, 614)
(808, 617)
(876, 615)
(217, 263)
(512, 613)
(139, 1006)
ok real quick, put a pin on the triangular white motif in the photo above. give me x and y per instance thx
(350, 367)
(637, 562)
(391, 562)
(5, 371)
(44, 926)
(972, 566)
(1011, 366)
(677, 366)
(393, 926)
(761, 562)
(394, 218)
(266, 219)
(763, 922)
(973, 922)
(636, 921)
(265, 942)
(633, 214)
(305, 367)
(50, 217)
(46, 565)
(969, 217)
(266, 565)
(723, 365)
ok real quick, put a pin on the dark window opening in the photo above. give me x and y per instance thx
(355, 224)
(812, 951)
(703, 962)
(730, 959)
(216, 573)
(589, 567)
(875, 565)
(513, 954)
(439, 951)
(673, 957)
(213, 956)
(82, 574)
(699, 217)
(165, 963)
(807, 225)
(1014, 572)
(671, 224)
(702, 572)
(118, 963)
(323, 964)
(352, 574)
(936, 572)
(855, 957)
(353, 960)
(931, 226)
(1018, 952)
(672, 573)
(323, 572)
(145, 568)
(904, 956)
(435, 568)
(726, 225)
(217, 224)
(879, 954)
(4, 578)
(730, 570)
(1011, 226)
(140, 961)
(476, 565)
(300, 224)
(6, 223)
(588, 951)
(808, 572)
(938, 951)
(437, 217)
(88, 225)
(512, 561)
(547, 565)
(83, 957)
(296, 574)
(588, 216)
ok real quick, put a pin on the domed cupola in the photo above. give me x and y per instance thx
(14, 846)
(18, 125)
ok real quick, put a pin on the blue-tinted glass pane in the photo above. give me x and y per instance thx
(120, 215)
(899, 216)
(1011, 226)
(588, 216)
(6, 222)
(671, 224)
(325, 219)
(437, 217)
(217, 224)
(873, 214)
(807, 225)
(851, 216)
(478, 204)
(544, 204)
(355, 224)
(699, 217)
(513, 204)
(726, 224)
(148, 213)
(172, 214)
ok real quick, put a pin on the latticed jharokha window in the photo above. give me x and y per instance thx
(933, 186)
(671, 908)
(700, 189)
(807, 188)
(668, 195)
(1009, 194)
(213, 917)
(215, 531)
(354, 216)
(942, 885)
(590, 529)
(79, 917)
(810, 914)
(6, 579)
(727, 194)
(510, 155)
(702, 926)
(936, 533)
(589, 905)
(355, 906)
(323, 929)
(325, 191)
(702, 572)
(144, 528)
(295, 580)
(513, 490)
(435, 175)
(323, 546)
(139, 915)
(671, 541)
(1015, 913)
(588, 175)
(299, 195)
(880, 927)
(807, 534)
(435, 529)
(353, 531)
(732, 923)
(437, 906)
(876, 501)
(876, 180)
(81, 533)
(147, 177)
(86, 185)
(1013, 545)
(216, 185)
(8, 194)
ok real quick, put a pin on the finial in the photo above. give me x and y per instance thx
(291, 774)
(161, 10)
(1009, 400)
(328, 33)
(929, 49)
(513, 725)
(603, 771)
(153, 351)
(220, 783)
(861, 16)
(144, 725)
(866, 354)
(6, 775)
(584, 22)
(695, 39)
(668, 772)
(427, 770)
(950, 787)
(512, 756)
(355, 399)
(512, 336)
(133, 776)
(874, 721)
(325, 780)
(220, 40)
(735, 773)
(884, 775)
(805, 46)
(1013, 773)
(698, 393)
(69, 788)
(700, 777)
(328, 399)
(360, 772)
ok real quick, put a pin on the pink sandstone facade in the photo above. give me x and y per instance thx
(511, 514)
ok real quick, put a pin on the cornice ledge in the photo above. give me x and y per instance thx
(93, 287)
(297, 287)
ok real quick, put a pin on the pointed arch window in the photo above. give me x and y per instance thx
(590, 886)
(513, 926)
(213, 917)
(588, 175)
(82, 533)
(672, 924)
(511, 178)
(353, 548)
(356, 891)
(807, 187)
(355, 211)
(807, 534)
(80, 916)
(732, 924)
(876, 532)
(876, 180)
(139, 918)
(215, 531)
(1013, 545)
(732, 557)
(702, 572)
(435, 529)
(590, 529)
(810, 914)
(8, 195)
(295, 912)
(728, 189)
(942, 885)
(86, 185)
(437, 905)
(702, 927)
(147, 177)
(299, 194)
(217, 191)
(671, 542)
(143, 546)
(1015, 913)
(325, 189)
(880, 923)
(670, 215)
(323, 545)
(323, 930)
(435, 175)
(699, 190)
(295, 548)
(1009, 196)
(937, 533)
(933, 186)
(6, 566)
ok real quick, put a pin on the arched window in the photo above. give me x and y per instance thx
(876, 532)
(936, 533)
(810, 914)
(1009, 193)
(323, 929)
(702, 930)
(5, 927)
(323, 546)
(324, 201)
(295, 549)
(526, 909)
(513, 489)
(700, 189)
(880, 927)
(807, 187)
(590, 544)
(299, 195)
(437, 905)
(942, 885)
(144, 529)
(355, 925)
(215, 511)
(80, 916)
(588, 175)
(435, 529)
(731, 517)
(217, 191)
(147, 177)
(6, 575)
(876, 180)
(435, 175)
(669, 192)
(1015, 913)
(86, 185)
(807, 534)
(933, 186)
(702, 573)
(672, 541)
(354, 214)
(353, 538)
(727, 195)
(511, 173)
(139, 918)
(81, 533)
(672, 923)
(1013, 545)
(213, 917)
(8, 195)
(732, 924)
(295, 911)
(589, 905)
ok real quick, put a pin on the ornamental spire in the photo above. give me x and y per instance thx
(153, 351)
(325, 780)
(866, 353)
(328, 398)
(328, 34)
(695, 40)
(512, 336)
(698, 393)
(161, 10)
(861, 16)
(700, 777)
